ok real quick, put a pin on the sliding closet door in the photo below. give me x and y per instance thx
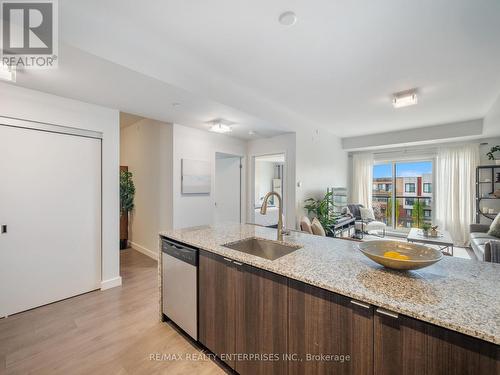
(50, 203)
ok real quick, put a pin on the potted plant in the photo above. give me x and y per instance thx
(323, 210)
(491, 152)
(127, 192)
(425, 228)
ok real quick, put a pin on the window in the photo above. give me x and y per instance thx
(402, 193)
(409, 187)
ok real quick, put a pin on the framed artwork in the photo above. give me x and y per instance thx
(195, 177)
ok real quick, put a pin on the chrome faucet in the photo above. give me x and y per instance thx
(263, 211)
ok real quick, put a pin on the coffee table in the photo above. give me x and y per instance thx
(443, 240)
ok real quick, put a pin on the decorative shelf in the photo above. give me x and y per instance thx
(493, 177)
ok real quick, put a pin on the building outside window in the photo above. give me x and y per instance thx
(402, 193)
(409, 188)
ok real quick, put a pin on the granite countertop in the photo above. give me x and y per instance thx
(457, 294)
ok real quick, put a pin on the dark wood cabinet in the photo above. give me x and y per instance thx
(217, 286)
(403, 345)
(329, 333)
(287, 327)
(262, 323)
(243, 311)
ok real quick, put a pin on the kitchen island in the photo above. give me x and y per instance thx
(326, 298)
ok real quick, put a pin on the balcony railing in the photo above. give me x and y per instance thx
(410, 212)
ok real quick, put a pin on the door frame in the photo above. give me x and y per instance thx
(284, 184)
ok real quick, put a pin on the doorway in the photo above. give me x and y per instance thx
(268, 176)
(227, 188)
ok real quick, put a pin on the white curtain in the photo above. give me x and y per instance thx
(362, 181)
(455, 187)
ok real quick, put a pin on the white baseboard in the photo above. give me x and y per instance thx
(142, 249)
(111, 283)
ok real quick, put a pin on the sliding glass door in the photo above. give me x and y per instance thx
(403, 193)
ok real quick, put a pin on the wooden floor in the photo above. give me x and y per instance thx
(104, 332)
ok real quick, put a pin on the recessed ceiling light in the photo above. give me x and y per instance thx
(405, 98)
(220, 128)
(175, 104)
(251, 132)
(7, 73)
(288, 18)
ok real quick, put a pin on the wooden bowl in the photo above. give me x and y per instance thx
(419, 256)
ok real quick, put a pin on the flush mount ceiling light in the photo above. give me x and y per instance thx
(175, 104)
(405, 98)
(220, 128)
(7, 73)
(288, 18)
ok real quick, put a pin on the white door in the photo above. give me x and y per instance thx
(227, 189)
(50, 203)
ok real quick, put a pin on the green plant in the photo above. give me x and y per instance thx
(127, 192)
(492, 151)
(417, 213)
(425, 227)
(323, 210)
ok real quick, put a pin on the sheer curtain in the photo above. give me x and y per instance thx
(455, 184)
(362, 181)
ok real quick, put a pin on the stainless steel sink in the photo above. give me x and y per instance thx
(260, 247)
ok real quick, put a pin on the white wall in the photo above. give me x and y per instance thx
(492, 120)
(281, 144)
(146, 148)
(189, 143)
(33, 105)
(321, 163)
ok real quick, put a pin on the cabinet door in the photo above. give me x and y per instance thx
(407, 346)
(262, 322)
(216, 305)
(326, 328)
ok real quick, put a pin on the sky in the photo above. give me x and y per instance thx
(408, 169)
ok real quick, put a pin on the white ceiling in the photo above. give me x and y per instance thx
(335, 69)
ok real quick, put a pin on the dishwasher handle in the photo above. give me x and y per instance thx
(181, 252)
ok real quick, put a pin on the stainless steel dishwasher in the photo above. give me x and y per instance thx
(180, 283)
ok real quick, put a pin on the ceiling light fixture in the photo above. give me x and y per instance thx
(220, 128)
(7, 73)
(405, 98)
(288, 18)
(251, 132)
(175, 104)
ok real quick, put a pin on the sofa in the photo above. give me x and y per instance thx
(365, 226)
(486, 247)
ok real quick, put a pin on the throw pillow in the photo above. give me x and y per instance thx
(317, 228)
(495, 227)
(367, 214)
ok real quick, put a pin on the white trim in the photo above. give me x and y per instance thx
(52, 128)
(145, 251)
(111, 283)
